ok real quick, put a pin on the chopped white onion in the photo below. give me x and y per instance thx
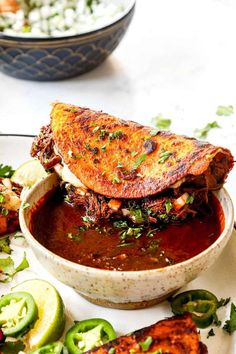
(64, 17)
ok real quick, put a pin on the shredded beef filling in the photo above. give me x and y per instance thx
(43, 148)
(156, 209)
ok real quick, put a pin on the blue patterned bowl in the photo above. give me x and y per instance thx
(47, 59)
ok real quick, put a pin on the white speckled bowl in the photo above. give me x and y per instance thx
(127, 289)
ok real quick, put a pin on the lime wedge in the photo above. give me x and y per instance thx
(29, 173)
(51, 313)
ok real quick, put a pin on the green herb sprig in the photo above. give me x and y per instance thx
(224, 110)
(6, 171)
(203, 133)
(161, 123)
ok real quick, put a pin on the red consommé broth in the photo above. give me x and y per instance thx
(56, 225)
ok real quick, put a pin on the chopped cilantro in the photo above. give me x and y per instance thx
(161, 123)
(150, 233)
(203, 133)
(111, 351)
(168, 206)
(103, 148)
(115, 135)
(138, 161)
(18, 234)
(102, 134)
(164, 155)
(153, 245)
(4, 211)
(131, 232)
(87, 147)
(126, 244)
(223, 302)
(145, 345)
(120, 224)
(96, 129)
(216, 320)
(120, 165)
(86, 218)
(163, 216)
(230, 325)
(127, 231)
(89, 4)
(75, 237)
(70, 153)
(26, 29)
(154, 132)
(12, 347)
(137, 215)
(95, 150)
(4, 245)
(6, 171)
(73, 110)
(190, 199)
(8, 270)
(23, 265)
(2, 198)
(25, 205)
(115, 179)
(211, 333)
(225, 110)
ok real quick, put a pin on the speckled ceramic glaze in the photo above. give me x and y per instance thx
(43, 59)
(117, 289)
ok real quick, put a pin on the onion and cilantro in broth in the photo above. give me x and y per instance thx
(120, 244)
(40, 18)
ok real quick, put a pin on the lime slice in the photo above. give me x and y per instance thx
(51, 313)
(29, 173)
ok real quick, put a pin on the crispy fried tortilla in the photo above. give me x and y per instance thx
(123, 159)
(174, 335)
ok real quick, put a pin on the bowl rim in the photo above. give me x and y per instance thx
(130, 8)
(228, 228)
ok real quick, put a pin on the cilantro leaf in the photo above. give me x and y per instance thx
(224, 110)
(168, 206)
(12, 347)
(134, 153)
(23, 264)
(161, 123)
(4, 245)
(190, 199)
(86, 218)
(223, 302)
(203, 133)
(6, 171)
(8, 270)
(138, 161)
(164, 155)
(145, 345)
(154, 132)
(230, 325)
(115, 179)
(211, 333)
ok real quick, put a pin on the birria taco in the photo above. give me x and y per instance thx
(119, 168)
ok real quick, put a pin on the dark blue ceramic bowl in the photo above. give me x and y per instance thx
(47, 59)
